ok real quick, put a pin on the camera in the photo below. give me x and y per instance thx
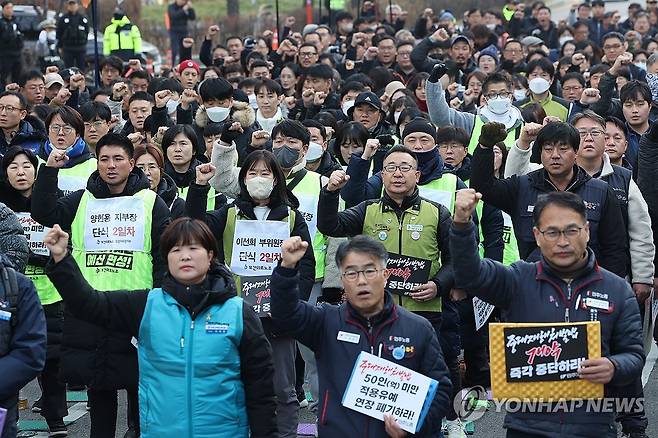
(249, 43)
(334, 49)
(386, 141)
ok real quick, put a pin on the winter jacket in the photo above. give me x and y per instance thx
(533, 292)
(423, 62)
(328, 164)
(331, 104)
(27, 137)
(123, 39)
(168, 191)
(178, 18)
(240, 112)
(11, 38)
(318, 328)
(549, 36)
(26, 355)
(195, 207)
(220, 393)
(608, 239)
(647, 176)
(635, 211)
(13, 243)
(92, 355)
(72, 32)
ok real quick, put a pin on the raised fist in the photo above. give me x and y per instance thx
(492, 133)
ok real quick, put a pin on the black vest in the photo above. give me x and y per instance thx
(594, 193)
(620, 181)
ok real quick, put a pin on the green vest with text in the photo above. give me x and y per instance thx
(114, 269)
(307, 191)
(382, 223)
(512, 135)
(229, 231)
(441, 190)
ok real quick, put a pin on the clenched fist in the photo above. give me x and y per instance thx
(465, 202)
(292, 251)
(337, 180)
(492, 133)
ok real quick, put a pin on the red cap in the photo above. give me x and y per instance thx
(188, 64)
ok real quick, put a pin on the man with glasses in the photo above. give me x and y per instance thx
(16, 131)
(497, 98)
(512, 61)
(614, 45)
(546, 291)
(557, 144)
(403, 65)
(369, 320)
(307, 55)
(97, 118)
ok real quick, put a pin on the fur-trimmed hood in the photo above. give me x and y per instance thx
(240, 112)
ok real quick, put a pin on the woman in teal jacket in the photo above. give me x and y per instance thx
(205, 366)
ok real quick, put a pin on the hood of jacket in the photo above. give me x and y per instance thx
(122, 22)
(136, 181)
(540, 179)
(182, 180)
(167, 189)
(240, 112)
(13, 243)
(217, 287)
(327, 164)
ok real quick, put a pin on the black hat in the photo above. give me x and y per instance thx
(369, 98)
(419, 125)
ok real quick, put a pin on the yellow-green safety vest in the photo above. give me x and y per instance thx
(118, 269)
(442, 190)
(382, 224)
(210, 202)
(72, 179)
(510, 247)
(512, 135)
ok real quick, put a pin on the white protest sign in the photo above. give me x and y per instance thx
(68, 183)
(35, 233)
(482, 311)
(443, 197)
(115, 224)
(379, 387)
(257, 246)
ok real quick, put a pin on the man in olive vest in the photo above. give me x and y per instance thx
(115, 226)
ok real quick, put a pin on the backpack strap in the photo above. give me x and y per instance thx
(297, 179)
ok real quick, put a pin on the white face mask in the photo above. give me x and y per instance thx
(519, 94)
(252, 101)
(641, 65)
(499, 105)
(172, 105)
(564, 39)
(539, 85)
(314, 152)
(491, 26)
(218, 113)
(346, 106)
(259, 187)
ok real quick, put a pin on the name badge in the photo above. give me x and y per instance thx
(216, 328)
(6, 316)
(352, 338)
(531, 208)
(597, 304)
(414, 227)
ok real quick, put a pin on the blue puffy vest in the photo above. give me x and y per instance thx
(189, 371)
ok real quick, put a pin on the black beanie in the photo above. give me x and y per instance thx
(419, 125)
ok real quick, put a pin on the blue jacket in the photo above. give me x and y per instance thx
(27, 348)
(205, 364)
(532, 292)
(318, 327)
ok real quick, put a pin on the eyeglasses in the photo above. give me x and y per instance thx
(9, 108)
(369, 274)
(404, 168)
(96, 124)
(553, 234)
(56, 128)
(595, 133)
(503, 94)
(307, 54)
(446, 146)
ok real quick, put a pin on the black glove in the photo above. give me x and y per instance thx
(492, 133)
(437, 72)
(228, 136)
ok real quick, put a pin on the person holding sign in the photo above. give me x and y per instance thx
(115, 225)
(369, 321)
(251, 231)
(566, 285)
(218, 370)
(19, 165)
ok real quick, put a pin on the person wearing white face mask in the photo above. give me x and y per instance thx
(348, 94)
(318, 159)
(265, 211)
(497, 97)
(540, 73)
(221, 104)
